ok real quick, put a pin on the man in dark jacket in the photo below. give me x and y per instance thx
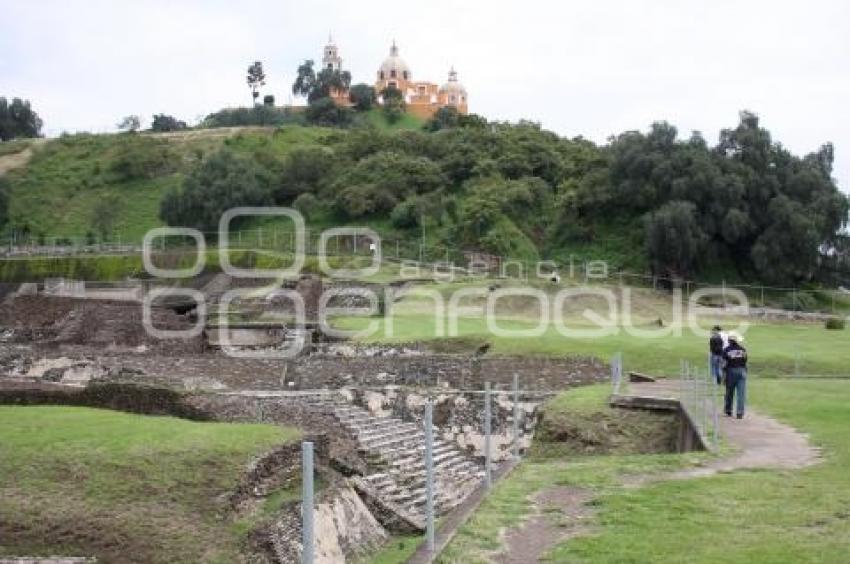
(715, 348)
(735, 356)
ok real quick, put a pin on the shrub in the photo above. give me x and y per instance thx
(835, 323)
(362, 96)
(164, 122)
(223, 181)
(142, 157)
(406, 214)
(362, 200)
(306, 203)
(325, 111)
(258, 115)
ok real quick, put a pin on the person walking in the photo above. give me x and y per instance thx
(735, 356)
(715, 348)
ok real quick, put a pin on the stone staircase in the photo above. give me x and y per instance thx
(396, 451)
(395, 455)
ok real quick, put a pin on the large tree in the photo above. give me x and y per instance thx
(130, 124)
(362, 96)
(316, 86)
(393, 103)
(674, 239)
(164, 122)
(18, 119)
(256, 78)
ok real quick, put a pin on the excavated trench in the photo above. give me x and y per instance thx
(613, 431)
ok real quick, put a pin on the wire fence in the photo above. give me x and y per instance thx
(448, 260)
(698, 397)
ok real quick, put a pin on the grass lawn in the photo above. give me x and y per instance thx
(122, 487)
(776, 348)
(745, 516)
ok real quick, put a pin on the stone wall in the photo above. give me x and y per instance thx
(216, 371)
(453, 371)
(344, 529)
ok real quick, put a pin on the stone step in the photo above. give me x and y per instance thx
(393, 441)
(369, 433)
(419, 458)
(374, 423)
(417, 451)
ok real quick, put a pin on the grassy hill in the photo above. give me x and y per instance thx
(681, 207)
(57, 193)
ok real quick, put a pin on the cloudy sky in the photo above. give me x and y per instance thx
(591, 68)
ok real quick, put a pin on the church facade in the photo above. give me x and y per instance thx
(422, 98)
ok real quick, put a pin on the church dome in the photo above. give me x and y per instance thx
(453, 87)
(394, 67)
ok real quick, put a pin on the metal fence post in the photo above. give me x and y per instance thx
(488, 475)
(716, 430)
(710, 366)
(516, 416)
(616, 372)
(429, 475)
(695, 413)
(705, 404)
(307, 502)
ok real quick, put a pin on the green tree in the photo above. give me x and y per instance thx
(164, 122)
(325, 111)
(130, 124)
(17, 119)
(268, 100)
(394, 105)
(362, 96)
(316, 86)
(674, 239)
(256, 79)
(444, 118)
(105, 215)
(305, 170)
(222, 181)
(305, 79)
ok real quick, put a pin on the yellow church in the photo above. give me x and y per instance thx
(421, 98)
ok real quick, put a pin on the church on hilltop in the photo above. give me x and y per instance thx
(421, 98)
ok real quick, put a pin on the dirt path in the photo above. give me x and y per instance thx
(558, 514)
(15, 160)
(758, 441)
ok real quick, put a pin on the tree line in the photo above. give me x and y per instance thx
(678, 207)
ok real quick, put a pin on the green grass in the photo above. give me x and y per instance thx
(376, 117)
(396, 550)
(105, 483)
(56, 193)
(775, 348)
(745, 516)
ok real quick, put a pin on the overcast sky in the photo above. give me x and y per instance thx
(591, 68)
